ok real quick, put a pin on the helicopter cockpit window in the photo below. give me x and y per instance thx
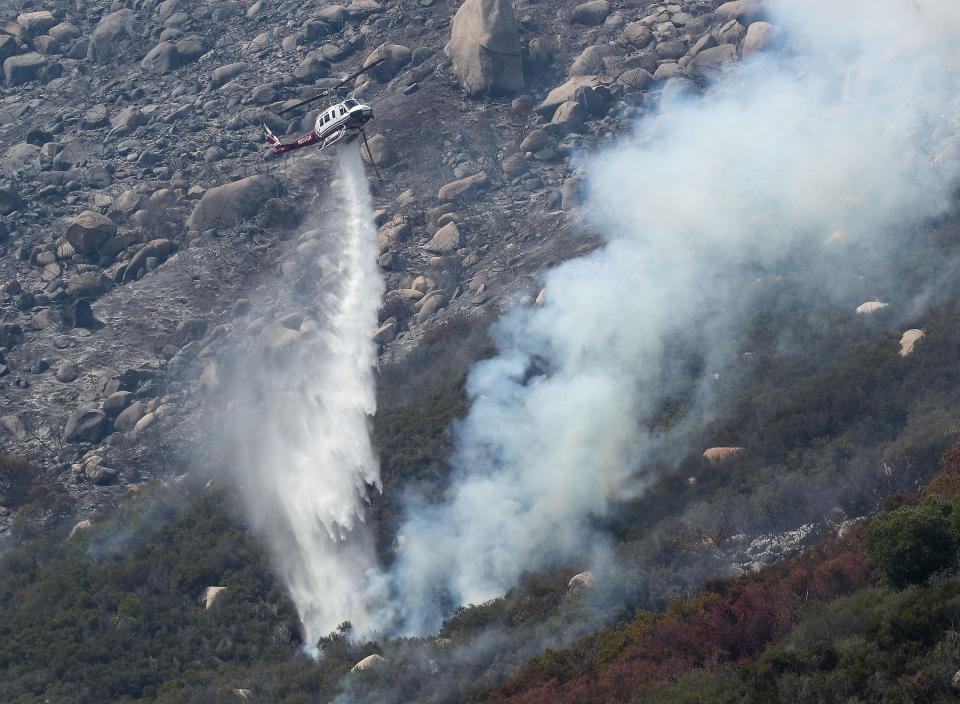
(343, 110)
(351, 103)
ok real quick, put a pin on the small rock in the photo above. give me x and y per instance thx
(67, 372)
(81, 314)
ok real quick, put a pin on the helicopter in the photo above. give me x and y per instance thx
(346, 119)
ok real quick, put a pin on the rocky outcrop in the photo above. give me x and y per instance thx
(213, 597)
(371, 662)
(584, 580)
(485, 48)
(719, 454)
(909, 339)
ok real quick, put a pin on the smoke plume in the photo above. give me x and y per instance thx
(824, 150)
(304, 408)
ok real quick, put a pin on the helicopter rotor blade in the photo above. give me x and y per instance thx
(330, 90)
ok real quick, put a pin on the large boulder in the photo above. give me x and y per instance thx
(213, 597)
(485, 47)
(24, 68)
(65, 32)
(909, 339)
(446, 240)
(760, 36)
(86, 425)
(676, 91)
(380, 152)
(590, 62)
(568, 91)
(225, 74)
(33, 24)
(711, 63)
(225, 205)
(312, 67)
(371, 662)
(89, 284)
(591, 13)
(156, 250)
(393, 57)
(112, 35)
(462, 188)
(10, 200)
(168, 56)
(744, 11)
(8, 47)
(720, 454)
(88, 231)
(129, 416)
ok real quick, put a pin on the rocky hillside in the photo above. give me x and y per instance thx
(142, 226)
(154, 258)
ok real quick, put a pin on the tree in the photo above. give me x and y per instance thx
(912, 542)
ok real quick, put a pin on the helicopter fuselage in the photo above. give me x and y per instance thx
(351, 114)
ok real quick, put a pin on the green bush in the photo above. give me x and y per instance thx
(913, 542)
(16, 478)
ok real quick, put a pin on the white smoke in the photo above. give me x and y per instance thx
(851, 127)
(308, 462)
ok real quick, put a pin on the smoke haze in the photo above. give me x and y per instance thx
(848, 133)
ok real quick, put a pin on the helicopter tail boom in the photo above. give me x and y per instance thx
(283, 147)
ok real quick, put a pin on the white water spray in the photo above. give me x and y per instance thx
(309, 463)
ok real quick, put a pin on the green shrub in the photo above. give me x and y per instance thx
(912, 542)
(16, 477)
